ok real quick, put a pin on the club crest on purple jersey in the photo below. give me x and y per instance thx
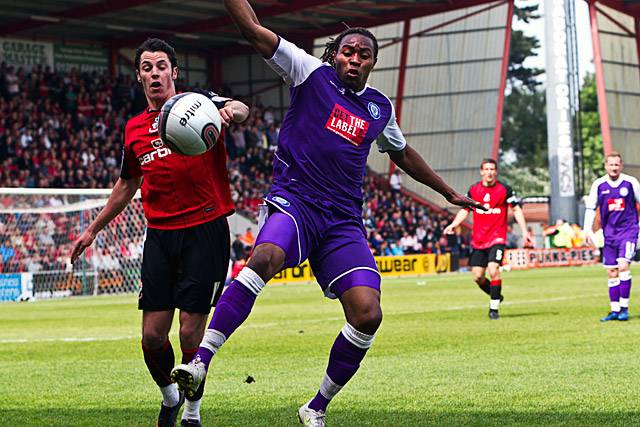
(374, 110)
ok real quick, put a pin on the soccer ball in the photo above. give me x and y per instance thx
(189, 123)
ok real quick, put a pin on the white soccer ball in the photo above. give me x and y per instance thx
(189, 123)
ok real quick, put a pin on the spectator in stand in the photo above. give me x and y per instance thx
(395, 181)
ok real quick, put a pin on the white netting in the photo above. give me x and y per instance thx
(37, 231)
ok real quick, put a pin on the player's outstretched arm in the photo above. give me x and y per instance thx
(120, 196)
(410, 161)
(459, 219)
(262, 39)
(518, 214)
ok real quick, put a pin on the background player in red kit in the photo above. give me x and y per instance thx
(490, 230)
(186, 200)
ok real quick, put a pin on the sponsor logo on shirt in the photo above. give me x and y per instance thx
(159, 152)
(490, 210)
(374, 110)
(347, 125)
(281, 201)
(624, 191)
(154, 125)
(615, 204)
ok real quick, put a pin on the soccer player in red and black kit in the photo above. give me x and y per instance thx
(490, 230)
(186, 201)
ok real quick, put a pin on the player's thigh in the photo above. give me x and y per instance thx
(361, 305)
(204, 262)
(479, 258)
(343, 261)
(496, 254)
(626, 252)
(284, 227)
(155, 327)
(478, 272)
(609, 253)
(158, 272)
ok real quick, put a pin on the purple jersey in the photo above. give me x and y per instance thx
(327, 132)
(617, 201)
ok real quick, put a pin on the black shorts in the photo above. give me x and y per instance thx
(482, 257)
(185, 268)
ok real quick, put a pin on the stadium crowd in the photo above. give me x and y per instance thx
(64, 130)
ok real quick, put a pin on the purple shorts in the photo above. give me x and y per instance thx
(618, 249)
(334, 243)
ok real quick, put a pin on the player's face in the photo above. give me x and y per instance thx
(157, 77)
(613, 166)
(488, 172)
(354, 60)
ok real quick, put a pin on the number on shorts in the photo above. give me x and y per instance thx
(499, 255)
(629, 250)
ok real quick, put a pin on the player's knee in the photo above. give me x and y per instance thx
(190, 335)
(367, 318)
(613, 273)
(266, 260)
(152, 340)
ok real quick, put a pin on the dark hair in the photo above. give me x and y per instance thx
(331, 47)
(156, 45)
(488, 160)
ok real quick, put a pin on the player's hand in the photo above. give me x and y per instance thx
(449, 229)
(81, 244)
(589, 240)
(527, 239)
(465, 202)
(226, 116)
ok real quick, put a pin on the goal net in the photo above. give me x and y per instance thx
(37, 230)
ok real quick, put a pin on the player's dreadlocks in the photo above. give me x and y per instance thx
(333, 44)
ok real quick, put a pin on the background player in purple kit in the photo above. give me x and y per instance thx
(617, 195)
(314, 209)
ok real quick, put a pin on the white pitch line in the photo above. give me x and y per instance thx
(305, 321)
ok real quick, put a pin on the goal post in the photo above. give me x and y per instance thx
(37, 230)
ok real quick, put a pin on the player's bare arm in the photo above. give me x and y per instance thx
(233, 111)
(262, 39)
(410, 161)
(518, 214)
(459, 219)
(122, 193)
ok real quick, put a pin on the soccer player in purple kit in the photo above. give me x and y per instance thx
(617, 196)
(315, 205)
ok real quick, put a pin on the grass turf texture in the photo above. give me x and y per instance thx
(437, 359)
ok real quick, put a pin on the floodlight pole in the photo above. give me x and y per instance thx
(559, 119)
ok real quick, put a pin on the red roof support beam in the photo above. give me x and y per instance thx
(386, 18)
(449, 22)
(495, 150)
(402, 74)
(84, 11)
(637, 37)
(615, 21)
(600, 86)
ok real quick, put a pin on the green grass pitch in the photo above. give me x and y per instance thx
(437, 359)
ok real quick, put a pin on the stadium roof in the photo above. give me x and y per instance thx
(196, 25)
(630, 7)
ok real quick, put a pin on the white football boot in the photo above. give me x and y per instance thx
(309, 417)
(189, 376)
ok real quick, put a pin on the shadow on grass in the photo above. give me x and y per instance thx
(541, 313)
(339, 417)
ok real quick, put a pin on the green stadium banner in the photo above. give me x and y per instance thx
(25, 53)
(82, 58)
